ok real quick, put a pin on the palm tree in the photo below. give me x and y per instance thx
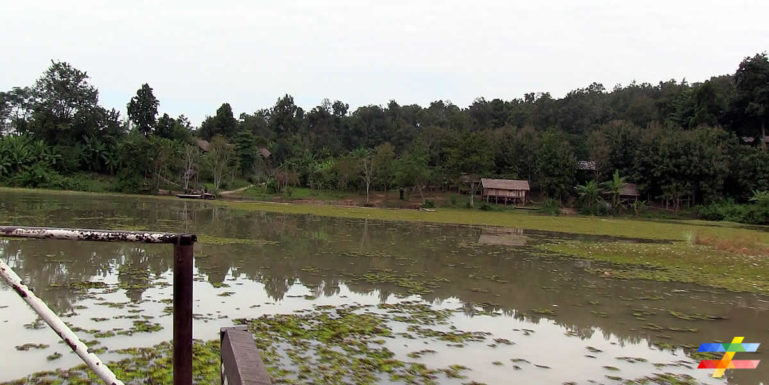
(589, 194)
(614, 186)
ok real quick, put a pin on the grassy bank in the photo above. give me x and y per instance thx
(679, 230)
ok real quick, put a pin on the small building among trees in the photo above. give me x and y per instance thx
(505, 190)
(629, 192)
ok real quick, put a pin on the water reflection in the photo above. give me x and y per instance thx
(502, 236)
(483, 267)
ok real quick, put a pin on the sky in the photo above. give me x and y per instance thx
(197, 55)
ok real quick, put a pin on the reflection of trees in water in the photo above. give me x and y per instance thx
(53, 268)
(323, 253)
(139, 266)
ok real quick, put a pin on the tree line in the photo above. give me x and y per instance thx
(679, 142)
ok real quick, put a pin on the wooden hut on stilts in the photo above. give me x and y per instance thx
(505, 190)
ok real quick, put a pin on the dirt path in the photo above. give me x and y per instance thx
(237, 190)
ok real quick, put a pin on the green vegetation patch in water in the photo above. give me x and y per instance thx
(143, 366)
(678, 261)
(347, 344)
(213, 240)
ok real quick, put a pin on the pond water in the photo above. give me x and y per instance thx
(538, 318)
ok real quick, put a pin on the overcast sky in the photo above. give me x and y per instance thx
(199, 54)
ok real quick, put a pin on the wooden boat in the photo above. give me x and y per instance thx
(196, 196)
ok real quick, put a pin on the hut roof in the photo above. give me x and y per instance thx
(265, 152)
(588, 165)
(204, 145)
(630, 190)
(505, 184)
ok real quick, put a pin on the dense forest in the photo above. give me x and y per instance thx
(679, 142)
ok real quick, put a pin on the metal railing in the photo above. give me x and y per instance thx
(182, 290)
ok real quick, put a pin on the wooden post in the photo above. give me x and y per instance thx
(183, 311)
(240, 361)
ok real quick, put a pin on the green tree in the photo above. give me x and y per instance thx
(589, 197)
(219, 159)
(190, 167)
(384, 158)
(223, 123)
(62, 98)
(752, 98)
(165, 127)
(614, 186)
(368, 167)
(411, 170)
(142, 109)
(165, 155)
(15, 110)
(555, 165)
(246, 152)
(286, 117)
(471, 154)
(346, 168)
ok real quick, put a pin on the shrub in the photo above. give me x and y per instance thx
(756, 213)
(428, 205)
(485, 207)
(550, 206)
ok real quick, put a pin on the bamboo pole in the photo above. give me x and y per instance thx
(58, 326)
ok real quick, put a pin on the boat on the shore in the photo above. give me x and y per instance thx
(196, 196)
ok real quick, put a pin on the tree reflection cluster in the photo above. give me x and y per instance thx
(488, 270)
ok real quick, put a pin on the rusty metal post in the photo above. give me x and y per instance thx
(183, 310)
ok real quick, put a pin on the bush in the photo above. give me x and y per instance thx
(488, 207)
(550, 206)
(428, 205)
(601, 208)
(756, 213)
(272, 186)
(38, 175)
(130, 182)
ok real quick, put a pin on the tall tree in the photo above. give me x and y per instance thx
(191, 157)
(614, 186)
(471, 155)
(555, 165)
(286, 117)
(367, 167)
(384, 158)
(142, 109)
(63, 105)
(752, 99)
(219, 159)
(411, 170)
(165, 127)
(64, 90)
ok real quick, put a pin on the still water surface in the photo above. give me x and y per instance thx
(574, 324)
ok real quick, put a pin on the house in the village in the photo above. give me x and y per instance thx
(505, 190)
(629, 192)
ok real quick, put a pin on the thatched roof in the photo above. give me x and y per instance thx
(588, 165)
(505, 184)
(204, 145)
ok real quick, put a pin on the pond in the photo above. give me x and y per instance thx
(468, 303)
